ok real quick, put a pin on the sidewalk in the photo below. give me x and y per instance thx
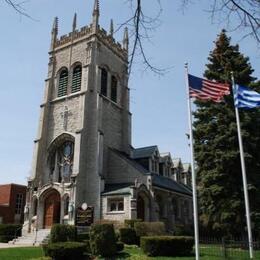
(6, 245)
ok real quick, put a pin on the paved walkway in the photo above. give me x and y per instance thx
(6, 245)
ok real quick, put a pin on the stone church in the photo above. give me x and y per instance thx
(83, 157)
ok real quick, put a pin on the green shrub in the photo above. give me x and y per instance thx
(116, 224)
(65, 250)
(167, 245)
(128, 236)
(119, 246)
(9, 231)
(150, 229)
(103, 240)
(130, 223)
(63, 233)
(82, 237)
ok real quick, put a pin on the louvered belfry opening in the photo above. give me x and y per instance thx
(114, 89)
(76, 79)
(103, 82)
(63, 83)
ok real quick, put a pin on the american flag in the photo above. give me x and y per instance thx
(206, 89)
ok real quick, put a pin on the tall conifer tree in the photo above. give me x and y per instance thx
(221, 198)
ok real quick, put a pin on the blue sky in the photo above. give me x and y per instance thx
(158, 103)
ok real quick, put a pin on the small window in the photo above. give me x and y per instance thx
(63, 83)
(114, 89)
(103, 82)
(19, 203)
(116, 204)
(76, 79)
(66, 206)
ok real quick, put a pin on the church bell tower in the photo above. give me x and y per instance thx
(84, 114)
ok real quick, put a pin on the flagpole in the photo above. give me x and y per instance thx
(194, 191)
(242, 159)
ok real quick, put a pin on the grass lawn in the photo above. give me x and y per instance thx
(130, 253)
(21, 253)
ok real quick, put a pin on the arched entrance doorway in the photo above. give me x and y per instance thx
(51, 209)
(140, 208)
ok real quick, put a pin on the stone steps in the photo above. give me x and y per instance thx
(33, 238)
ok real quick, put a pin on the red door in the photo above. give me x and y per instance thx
(52, 210)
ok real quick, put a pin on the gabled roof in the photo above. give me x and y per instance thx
(165, 157)
(169, 184)
(176, 162)
(117, 189)
(144, 152)
(186, 167)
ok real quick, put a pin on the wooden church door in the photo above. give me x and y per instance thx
(52, 210)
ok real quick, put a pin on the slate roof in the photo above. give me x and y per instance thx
(144, 152)
(169, 184)
(117, 189)
(132, 162)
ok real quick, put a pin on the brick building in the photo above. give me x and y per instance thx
(12, 202)
(83, 150)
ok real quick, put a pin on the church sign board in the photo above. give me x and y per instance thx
(85, 217)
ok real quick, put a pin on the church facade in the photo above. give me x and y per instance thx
(83, 153)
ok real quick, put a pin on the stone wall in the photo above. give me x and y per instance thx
(115, 216)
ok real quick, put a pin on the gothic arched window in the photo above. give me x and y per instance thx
(63, 83)
(114, 89)
(76, 79)
(66, 206)
(65, 160)
(61, 161)
(103, 82)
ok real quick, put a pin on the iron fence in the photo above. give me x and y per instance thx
(227, 249)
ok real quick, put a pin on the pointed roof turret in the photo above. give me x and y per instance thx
(126, 39)
(111, 27)
(74, 25)
(54, 32)
(95, 14)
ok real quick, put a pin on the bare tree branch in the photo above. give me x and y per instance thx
(238, 14)
(19, 7)
(141, 26)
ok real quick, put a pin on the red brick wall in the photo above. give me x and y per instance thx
(6, 214)
(5, 192)
(8, 195)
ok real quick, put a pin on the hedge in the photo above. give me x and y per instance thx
(167, 245)
(150, 229)
(82, 236)
(9, 231)
(119, 246)
(65, 250)
(128, 236)
(63, 233)
(103, 240)
(130, 223)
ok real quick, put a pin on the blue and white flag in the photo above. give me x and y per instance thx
(246, 98)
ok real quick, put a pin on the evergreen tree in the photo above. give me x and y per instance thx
(221, 197)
